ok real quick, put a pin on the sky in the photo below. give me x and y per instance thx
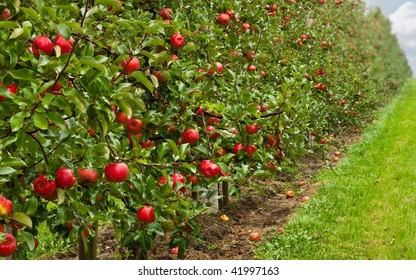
(402, 14)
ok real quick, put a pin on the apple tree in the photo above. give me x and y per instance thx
(139, 114)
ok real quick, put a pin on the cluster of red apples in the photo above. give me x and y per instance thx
(8, 243)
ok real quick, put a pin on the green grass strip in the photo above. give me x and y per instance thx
(366, 206)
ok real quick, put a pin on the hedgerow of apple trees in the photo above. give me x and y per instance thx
(187, 99)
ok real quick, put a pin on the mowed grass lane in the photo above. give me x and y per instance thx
(366, 206)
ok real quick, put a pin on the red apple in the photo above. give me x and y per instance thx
(251, 68)
(5, 14)
(6, 206)
(8, 246)
(245, 26)
(238, 147)
(43, 186)
(65, 45)
(51, 197)
(231, 13)
(323, 140)
(193, 179)
(70, 224)
(224, 19)
(305, 199)
(273, 8)
(219, 67)
(42, 44)
(116, 172)
(234, 130)
(254, 236)
(177, 178)
(174, 251)
(213, 120)
(251, 129)
(177, 41)
(209, 169)
(250, 150)
(161, 181)
(137, 135)
(134, 125)
(10, 88)
(324, 44)
(121, 117)
(86, 232)
(65, 178)
(290, 194)
(87, 177)
(165, 13)
(212, 135)
(130, 65)
(146, 214)
(190, 135)
(159, 76)
(147, 144)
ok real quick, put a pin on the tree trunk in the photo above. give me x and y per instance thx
(225, 195)
(88, 250)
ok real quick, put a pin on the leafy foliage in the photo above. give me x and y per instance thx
(319, 69)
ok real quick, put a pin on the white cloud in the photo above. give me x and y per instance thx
(404, 26)
(411, 44)
(404, 19)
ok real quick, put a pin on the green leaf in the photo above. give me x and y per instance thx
(227, 157)
(6, 142)
(154, 42)
(140, 104)
(162, 150)
(2, 237)
(76, 99)
(8, 24)
(61, 195)
(16, 33)
(190, 47)
(31, 206)
(125, 107)
(40, 121)
(16, 5)
(64, 31)
(174, 148)
(13, 162)
(90, 61)
(17, 120)
(223, 166)
(157, 228)
(261, 173)
(24, 74)
(22, 218)
(140, 76)
(190, 167)
(30, 240)
(6, 170)
(55, 117)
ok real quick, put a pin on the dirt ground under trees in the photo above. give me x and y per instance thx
(254, 212)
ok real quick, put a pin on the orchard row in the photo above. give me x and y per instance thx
(139, 114)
